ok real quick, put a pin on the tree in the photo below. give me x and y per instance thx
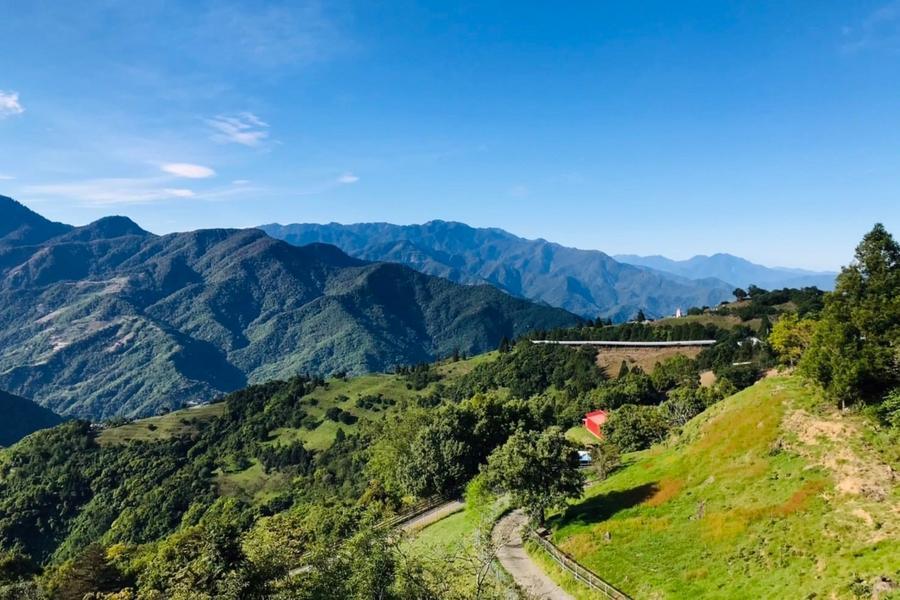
(640, 317)
(676, 371)
(623, 370)
(633, 427)
(605, 458)
(853, 354)
(682, 404)
(739, 293)
(790, 337)
(539, 470)
(755, 291)
(505, 345)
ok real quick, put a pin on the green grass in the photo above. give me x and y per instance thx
(581, 436)
(562, 577)
(451, 545)
(166, 426)
(451, 536)
(252, 484)
(746, 503)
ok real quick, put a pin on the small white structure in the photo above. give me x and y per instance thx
(678, 313)
(584, 457)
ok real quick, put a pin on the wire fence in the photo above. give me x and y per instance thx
(579, 572)
(423, 506)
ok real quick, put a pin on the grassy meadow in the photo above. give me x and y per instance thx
(768, 494)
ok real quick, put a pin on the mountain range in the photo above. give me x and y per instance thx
(22, 417)
(110, 320)
(586, 282)
(738, 272)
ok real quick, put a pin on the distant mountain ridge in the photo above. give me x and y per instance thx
(108, 319)
(737, 271)
(21, 417)
(586, 282)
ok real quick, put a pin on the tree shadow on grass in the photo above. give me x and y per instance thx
(602, 507)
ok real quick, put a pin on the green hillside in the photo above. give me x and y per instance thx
(766, 493)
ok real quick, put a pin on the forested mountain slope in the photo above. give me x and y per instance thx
(108, 319)
(586, 282)
(20, 416)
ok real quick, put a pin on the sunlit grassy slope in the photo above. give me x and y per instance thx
(769, 494)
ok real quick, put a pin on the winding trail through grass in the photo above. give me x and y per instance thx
(527, 574)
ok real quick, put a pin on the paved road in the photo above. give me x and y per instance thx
(431, 516)
(526, 573)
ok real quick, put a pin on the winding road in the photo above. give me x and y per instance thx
(512, 555)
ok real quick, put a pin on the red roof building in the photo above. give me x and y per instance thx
(593, 422)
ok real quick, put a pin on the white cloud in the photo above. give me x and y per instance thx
(241, 181)
(188, 170)
(243, 128)
(126, 191)
(10, 105)
(6, 177)
(179, 192)
(347, 178)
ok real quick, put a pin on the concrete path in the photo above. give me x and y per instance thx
(512, 555)
(431, 516)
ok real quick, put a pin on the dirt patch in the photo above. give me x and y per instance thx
(707, 379)
(825, 441)
(611, 359)
(799, 498)
(668, 489)
(810, 430)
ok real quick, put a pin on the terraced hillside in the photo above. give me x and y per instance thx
(768, 494)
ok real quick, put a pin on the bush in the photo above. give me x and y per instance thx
(889, 411)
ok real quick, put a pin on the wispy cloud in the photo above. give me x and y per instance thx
(111, 191)
(879, 29)
(4, 177)
(131, 190)
(188, 170)
(347, 178)
(273, 36)
(243, 128)
(179, 192)
(10, 105)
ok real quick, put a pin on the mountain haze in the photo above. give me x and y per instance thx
(108, 319)
(586, 282)
(737, 271)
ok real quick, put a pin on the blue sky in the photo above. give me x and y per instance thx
(765, 129)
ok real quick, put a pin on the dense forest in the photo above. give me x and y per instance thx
(151, 519)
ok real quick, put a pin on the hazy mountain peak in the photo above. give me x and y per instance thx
(587, 282)
(737, 271)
